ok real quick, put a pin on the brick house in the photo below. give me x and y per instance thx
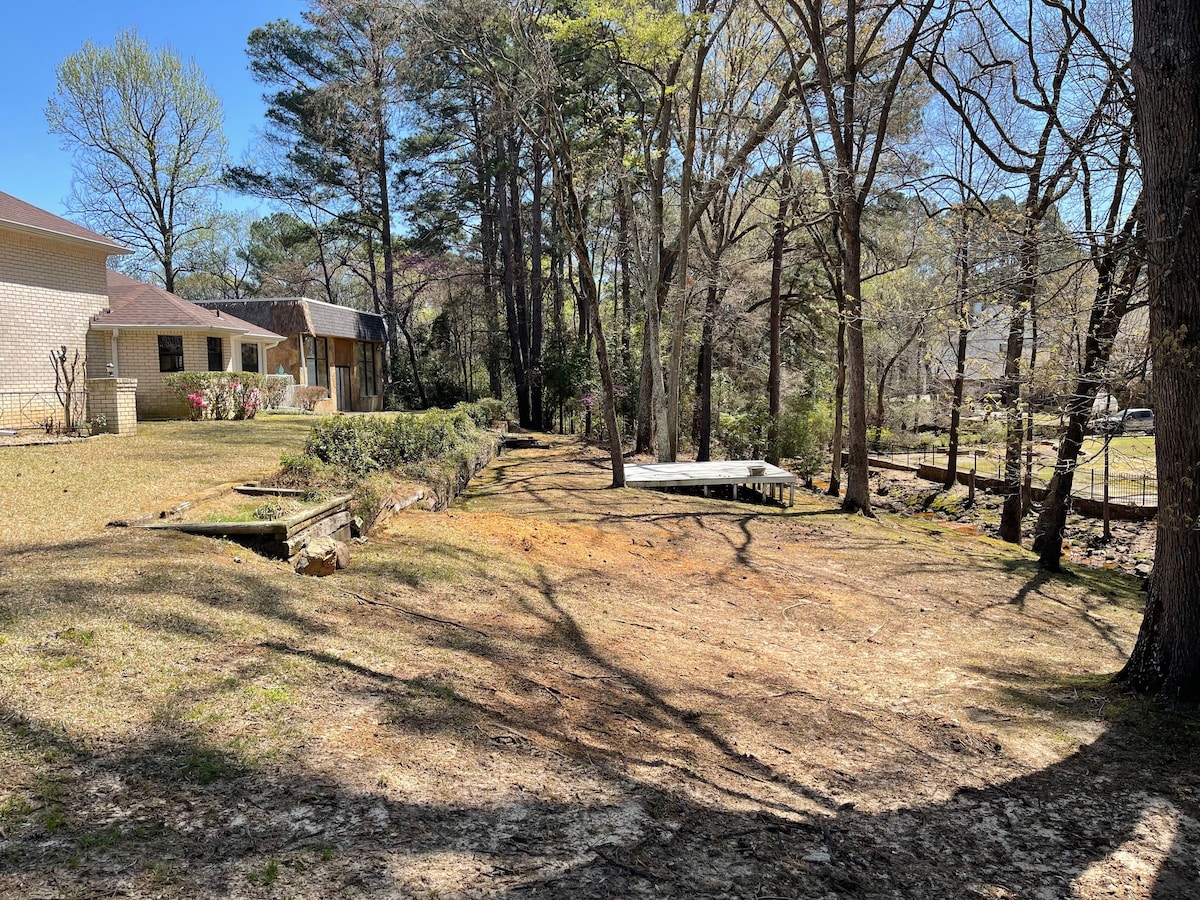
(146, 333)
(324, 345)
(56, 291)
(52, 281)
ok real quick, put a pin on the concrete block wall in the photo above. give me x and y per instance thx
(49, 289)
(116, 400)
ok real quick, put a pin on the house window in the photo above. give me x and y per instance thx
(216, 355)
(249, 357)
(316, 360)
(368, 383)
(170, 353)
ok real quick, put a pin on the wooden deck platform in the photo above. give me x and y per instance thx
(756, 474)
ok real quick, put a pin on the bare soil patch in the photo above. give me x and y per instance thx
(555, 689)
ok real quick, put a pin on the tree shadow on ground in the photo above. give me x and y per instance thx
(172, 810)
(171, 814)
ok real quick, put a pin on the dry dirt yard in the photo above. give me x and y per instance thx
(555, 689)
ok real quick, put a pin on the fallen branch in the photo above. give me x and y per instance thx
(744, 774)
(416, 615)
(636, 624)
(633, 870)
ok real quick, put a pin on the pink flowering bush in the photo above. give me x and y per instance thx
(219, 395)
(198, 405)
(247, 400)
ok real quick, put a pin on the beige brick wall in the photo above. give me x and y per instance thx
(115, 399)
(137, 357)
(28, 409)
(49, 290)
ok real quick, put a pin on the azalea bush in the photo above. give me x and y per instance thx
(219, 395)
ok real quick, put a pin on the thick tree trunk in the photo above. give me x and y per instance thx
(679, 322)
(858, 487)
(382, 174)
(645, 427)
(520, 277)
(839, 404)
(660, 429)
(1166, 73)
(1010, 390)
(704, 376)
(511, 277)
(779, 233)
(491, 296)
(611, 425)
(537, 292)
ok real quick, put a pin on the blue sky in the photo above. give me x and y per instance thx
(37, 36)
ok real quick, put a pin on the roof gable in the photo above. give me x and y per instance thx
(135, 304)
(21, 216)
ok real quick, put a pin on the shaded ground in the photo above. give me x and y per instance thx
(558, 690)
(1130, 548)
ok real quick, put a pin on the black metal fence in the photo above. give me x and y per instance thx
(21, 410)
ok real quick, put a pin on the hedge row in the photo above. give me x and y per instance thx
(361, 444)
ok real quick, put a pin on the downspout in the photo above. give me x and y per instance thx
(115, 364)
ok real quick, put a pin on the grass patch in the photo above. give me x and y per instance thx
(79, 636)
(205, 766)
(62, 490)
(268, 874)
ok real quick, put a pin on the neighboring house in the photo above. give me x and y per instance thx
(333, 347)
(52, 281)
(147, 333)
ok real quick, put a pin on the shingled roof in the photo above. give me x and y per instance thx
(21, 216)
(300, 315)
(135, 304)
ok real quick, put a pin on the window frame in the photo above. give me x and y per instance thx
(257, 357)
(368, 373)
(169, 358)
(220, 353)
(317, 359)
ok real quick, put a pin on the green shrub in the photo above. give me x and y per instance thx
(357, 445)
(805, 430)
(744, 434)
(299, 471)
(485, 411)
